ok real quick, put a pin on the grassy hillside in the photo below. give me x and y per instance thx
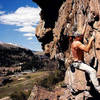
(23, 83)
(12, 55)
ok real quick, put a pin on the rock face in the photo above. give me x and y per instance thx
(59, 18)
(6, 98)
(40, 93)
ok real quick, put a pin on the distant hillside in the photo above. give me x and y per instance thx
(13, 55)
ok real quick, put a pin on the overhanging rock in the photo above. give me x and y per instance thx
(58, 20)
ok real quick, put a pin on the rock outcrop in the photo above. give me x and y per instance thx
(59, 18)
(6, 98)
(40, 93)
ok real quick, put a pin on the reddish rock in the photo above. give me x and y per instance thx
(59, 18)
(40, 93)
(76, 79)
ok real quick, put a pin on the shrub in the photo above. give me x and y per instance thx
(6, 80)
(52, 79)
(28, 77)
(9, 73)
(19, 95)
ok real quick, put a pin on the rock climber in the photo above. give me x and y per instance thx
(77, 51)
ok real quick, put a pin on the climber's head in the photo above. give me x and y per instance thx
(78, 36)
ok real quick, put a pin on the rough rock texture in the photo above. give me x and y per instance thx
(6, 98)
(59, 18)
(40, 93)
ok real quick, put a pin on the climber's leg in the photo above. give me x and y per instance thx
(90, 71)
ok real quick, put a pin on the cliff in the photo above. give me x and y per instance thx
(59, 18)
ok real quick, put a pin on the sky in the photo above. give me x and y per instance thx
(18, 21)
